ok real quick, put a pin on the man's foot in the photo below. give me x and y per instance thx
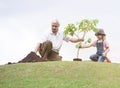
(44, 59)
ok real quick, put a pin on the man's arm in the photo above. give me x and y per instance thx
(42, 39)
(37, 47)
(74, 40)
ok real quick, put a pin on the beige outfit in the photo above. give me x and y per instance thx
(47, 53)
(51, 44)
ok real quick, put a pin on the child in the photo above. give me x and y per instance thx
(102, 47)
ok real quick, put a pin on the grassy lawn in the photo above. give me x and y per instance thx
(60, 75)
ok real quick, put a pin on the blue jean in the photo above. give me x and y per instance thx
(97, 57)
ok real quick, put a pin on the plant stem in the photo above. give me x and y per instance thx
(78, 52)
(80, 42)
(76, 35)
(84, 35)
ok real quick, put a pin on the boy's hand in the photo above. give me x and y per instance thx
(104, 54)
(80, 46)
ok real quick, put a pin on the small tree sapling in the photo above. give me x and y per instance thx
(84, 26)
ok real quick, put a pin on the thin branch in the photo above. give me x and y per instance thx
(84, 34)
(76, 35)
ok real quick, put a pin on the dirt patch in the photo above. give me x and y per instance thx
(77, 59)
(31, 57)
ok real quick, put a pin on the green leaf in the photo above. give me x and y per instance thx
(85, 25)
(89, 40)
(95, 30)
(79, 44)
(70, 29)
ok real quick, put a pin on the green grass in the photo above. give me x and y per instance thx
(60, 75)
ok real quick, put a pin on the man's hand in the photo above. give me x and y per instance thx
(82, 39)
(37, 48)
(75, 40)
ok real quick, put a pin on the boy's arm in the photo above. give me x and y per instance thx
(90, 45)
(107, 48)
(106, 51)
(86, 46)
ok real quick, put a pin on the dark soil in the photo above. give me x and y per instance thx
(77, 59)
(31, 57)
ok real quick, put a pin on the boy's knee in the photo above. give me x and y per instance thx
(102, 58)
(93, 58)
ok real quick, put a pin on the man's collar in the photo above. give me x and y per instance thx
(54, 34)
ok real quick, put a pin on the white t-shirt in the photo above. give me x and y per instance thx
(56, 40)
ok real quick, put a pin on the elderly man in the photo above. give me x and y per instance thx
(51, 43)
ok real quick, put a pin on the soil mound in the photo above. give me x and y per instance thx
(31, 57)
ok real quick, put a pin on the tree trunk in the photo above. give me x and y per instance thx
(78, 52)
(78, 59)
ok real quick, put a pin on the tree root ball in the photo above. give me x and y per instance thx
(77, 59)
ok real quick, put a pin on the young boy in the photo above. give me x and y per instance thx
(102, 47)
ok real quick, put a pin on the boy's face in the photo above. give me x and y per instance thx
(99, 37)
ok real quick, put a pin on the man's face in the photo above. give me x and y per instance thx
(55, 27)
